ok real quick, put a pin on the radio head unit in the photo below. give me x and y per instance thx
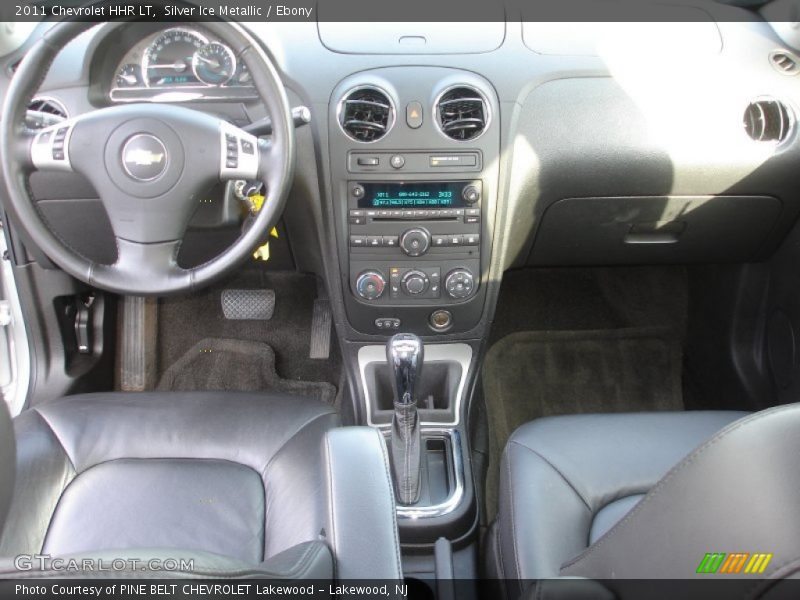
(416, 194)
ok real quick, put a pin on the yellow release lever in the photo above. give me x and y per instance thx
(262, 253)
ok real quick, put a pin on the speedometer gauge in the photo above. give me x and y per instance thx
(168, 60)
(214, 64)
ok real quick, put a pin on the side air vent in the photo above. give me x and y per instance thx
(43, 112)
(462, 114)
(784, 63)
(767, 120)
(366, 114)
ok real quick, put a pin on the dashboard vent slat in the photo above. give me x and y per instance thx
(767, 120)
(43, 112)
(366, 114)
(462, 113)
(785, 63)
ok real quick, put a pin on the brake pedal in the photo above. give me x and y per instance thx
(248, 305)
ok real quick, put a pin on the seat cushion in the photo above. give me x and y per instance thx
(236, 474)
(565, 481)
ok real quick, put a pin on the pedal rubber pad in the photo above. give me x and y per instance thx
(248, 305)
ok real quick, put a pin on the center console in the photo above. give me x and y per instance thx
(414, 163)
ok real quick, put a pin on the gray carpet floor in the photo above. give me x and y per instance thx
(222, 364)
(250, 355)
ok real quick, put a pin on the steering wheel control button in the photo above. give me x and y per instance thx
(239, 155)
(414, 115)
(441, 320)
(415, 283)
(144, 157)
(397, 161)
(370, 285)
(415, 242)
(50, 148)
(459, 284)
(387, 323)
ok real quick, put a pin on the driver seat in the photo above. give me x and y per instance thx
(242, 484)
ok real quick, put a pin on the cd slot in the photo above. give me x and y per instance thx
(416, 218)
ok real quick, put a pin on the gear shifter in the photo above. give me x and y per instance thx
(405, 354)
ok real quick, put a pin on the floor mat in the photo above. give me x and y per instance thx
(224, 364)
(183, 321)
(532, 374)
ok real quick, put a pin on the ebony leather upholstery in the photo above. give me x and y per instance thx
(566, 481)
(237, 480)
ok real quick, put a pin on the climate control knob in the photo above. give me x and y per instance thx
(370, 285)
(415, 282)
(415, 242)
(459, 284)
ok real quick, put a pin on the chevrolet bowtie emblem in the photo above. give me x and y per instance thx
(143, 158)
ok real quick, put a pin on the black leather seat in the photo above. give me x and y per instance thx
(615, 496)
(241, 483)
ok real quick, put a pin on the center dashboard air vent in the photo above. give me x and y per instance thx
(366, 114)
(462, 113)
(767, 120)
(43, 112)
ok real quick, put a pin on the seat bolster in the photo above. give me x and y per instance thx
(542, 519)
(7, 460)
(294, 484)
(43, 472)
(362, 524)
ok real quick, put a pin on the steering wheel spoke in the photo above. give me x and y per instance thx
(154, 265)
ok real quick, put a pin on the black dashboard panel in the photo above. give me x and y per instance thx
(574, 122)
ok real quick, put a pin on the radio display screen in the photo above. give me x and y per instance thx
(421, 194)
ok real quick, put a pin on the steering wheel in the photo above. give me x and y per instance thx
(149, 163)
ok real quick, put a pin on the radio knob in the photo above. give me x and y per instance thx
(370, 285)
(357, 191)
(415, 242)
(414, 282)
(471, 194)
(459, 284)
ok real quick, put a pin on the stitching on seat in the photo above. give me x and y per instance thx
(557, 470)
(331, 526)
(56, 436)
(674, 471)
(388, 477)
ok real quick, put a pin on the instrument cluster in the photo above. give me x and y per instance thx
(183, 60)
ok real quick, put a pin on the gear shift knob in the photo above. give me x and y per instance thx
(405, 354)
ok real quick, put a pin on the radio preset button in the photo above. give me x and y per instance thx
(391, 241)
(439, 240)
(358, 241)
(374, 241)
(472, 239)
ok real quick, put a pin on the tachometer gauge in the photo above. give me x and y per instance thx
(214, 64)
(129, 75)
(168, 60)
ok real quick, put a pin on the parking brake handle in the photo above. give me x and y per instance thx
(405, 355)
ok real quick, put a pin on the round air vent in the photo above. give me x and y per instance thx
(366, 114)
(44, 111)
(784, 62)
(767, 120)
(462, 113)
